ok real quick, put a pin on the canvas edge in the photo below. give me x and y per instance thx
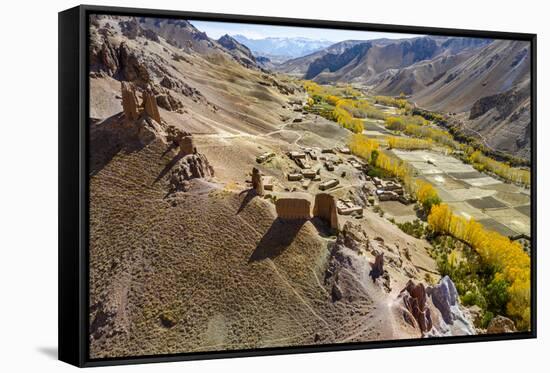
(73, 199)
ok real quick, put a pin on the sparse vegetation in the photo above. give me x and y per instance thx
(341, 104)
(400, 103)
(417, 228)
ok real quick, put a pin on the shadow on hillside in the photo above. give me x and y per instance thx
(277, 238)
(170, 147)
(107, 138)
(168, 167)
(250, 194)
(323, 227)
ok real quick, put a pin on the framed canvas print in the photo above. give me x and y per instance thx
(238, 186)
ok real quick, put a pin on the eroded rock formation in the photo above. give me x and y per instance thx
(325, 208)
(131, 67)
(444, 296)
(186, 144)
(415, 312)
(257, 183)
(435, 310)
(189, 167)
(168, 102)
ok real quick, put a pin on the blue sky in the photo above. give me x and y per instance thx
(216, 29)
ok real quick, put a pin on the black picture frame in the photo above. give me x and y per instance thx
(73, 183)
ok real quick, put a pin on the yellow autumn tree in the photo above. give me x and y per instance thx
(501, 169)
(362, 146)
(508, 259)
(395, 142)
(426, 194)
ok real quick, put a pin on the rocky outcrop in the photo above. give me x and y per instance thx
(435, 310)
(501, 324)
(147, 129)
(169, 102)
(129, 101)
(181, 87)
(131, 68)
(257, 182)
(130, 106)
(186, 144)
(325, 209)
(103, 316)
(444, 297)
(504, 103)
(353, 237)
(119, 62)
(104, 57)
(189, 167)
(131, 29)
(377, 267)
(416, 313)
(293, 207)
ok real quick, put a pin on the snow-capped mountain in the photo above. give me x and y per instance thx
(280, 49)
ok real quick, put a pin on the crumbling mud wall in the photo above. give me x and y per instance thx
(186, 144)
(290, 207)
(183, 139)
(257, 182)
(325, 208)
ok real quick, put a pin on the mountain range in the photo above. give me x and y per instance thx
(484, 83)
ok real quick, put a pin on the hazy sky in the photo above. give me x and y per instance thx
(217, 29)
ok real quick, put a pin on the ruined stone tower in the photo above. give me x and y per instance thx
(130, 106)
(129, 100)
(325, 208)
(257, 182)
(150, 105)
(186, 144)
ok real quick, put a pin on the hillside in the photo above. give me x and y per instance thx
(360, 61)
